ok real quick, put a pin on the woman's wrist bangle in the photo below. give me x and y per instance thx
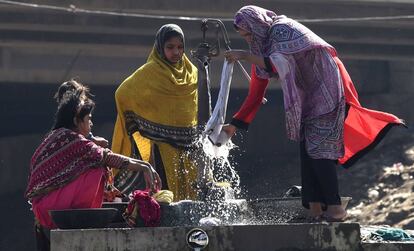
(90, 136)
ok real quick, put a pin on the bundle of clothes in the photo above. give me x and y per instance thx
(144, 209)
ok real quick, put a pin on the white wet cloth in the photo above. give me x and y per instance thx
(217, 119)
(209, 221)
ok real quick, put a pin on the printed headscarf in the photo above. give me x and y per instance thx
(275, 33)
(164, 33)
(257, 21)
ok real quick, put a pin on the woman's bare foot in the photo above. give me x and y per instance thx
(315, 209)
(335, 213)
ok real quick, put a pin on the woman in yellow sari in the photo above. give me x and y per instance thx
(157, 114)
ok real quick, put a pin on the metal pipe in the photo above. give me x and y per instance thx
(226, 39)
(246, 74)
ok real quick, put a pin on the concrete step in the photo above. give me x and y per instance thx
(297, 237)
(309, 237)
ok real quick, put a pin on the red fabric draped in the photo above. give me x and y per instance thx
(363, 128)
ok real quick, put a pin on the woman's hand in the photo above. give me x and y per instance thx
(152, 179)
(229, 129)
(156, 183)
(102, 142)
(236, 55)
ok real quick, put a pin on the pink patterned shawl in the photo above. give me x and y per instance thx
(61, 157)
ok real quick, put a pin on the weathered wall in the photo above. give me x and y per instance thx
(309, 237)
(44, 46)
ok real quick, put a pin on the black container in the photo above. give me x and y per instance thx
(121, 206)
(83, 218)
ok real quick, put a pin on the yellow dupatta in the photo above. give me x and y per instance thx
(164, 94)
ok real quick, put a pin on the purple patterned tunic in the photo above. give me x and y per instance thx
(311, 82)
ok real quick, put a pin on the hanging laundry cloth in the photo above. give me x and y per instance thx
(217, 119)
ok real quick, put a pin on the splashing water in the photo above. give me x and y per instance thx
(222, 167)
(219, 205)
(219, 197)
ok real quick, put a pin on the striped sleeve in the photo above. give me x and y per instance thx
(115, 160)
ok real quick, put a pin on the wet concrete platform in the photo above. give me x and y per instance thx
(310, 237)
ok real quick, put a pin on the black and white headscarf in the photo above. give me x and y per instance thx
(166, 32)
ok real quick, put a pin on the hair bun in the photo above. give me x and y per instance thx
(71, 86)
